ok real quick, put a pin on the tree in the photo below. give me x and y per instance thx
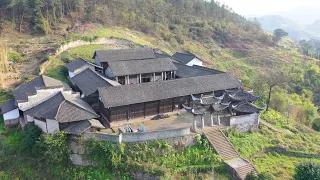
(272, 78)
(279, 33)
(307, 170)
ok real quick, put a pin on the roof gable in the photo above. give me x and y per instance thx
(124, 54)
(8, 106)
(21, 93)
(183, 58)
(146, 92)
(185, 71)
(63, 108)
(89, 81)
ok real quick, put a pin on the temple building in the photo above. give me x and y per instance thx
(125, 85)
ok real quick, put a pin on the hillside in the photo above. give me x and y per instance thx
(34, 34)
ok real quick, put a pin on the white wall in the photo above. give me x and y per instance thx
(42, 125)
(13, 114)
(195, 61)
(52, 126)
(40, 96)
(30, 118)
(71, 74)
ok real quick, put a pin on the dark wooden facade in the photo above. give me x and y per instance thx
(142, 110)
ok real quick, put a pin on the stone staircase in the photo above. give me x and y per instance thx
(239, 167)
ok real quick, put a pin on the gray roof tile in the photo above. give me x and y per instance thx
(193, 71)
(8, 106)
(89, 81)
(21, 93)
(63, 108)
(183, 58)
(121, 68)
(138, 93)
(124, 54)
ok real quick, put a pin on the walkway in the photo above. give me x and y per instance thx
(239, 167)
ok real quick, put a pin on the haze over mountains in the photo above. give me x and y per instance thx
(302, 22)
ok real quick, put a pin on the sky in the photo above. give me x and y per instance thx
(264, 7)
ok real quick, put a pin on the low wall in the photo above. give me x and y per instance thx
(11, 122)
(102, 137)
(149, 136)
(138, 137)
(245, 123)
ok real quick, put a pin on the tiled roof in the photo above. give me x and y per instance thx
(183, 58)
(21, 93)
(89, 81)
(152, 91)
(246, 107)
(124, 54)
(121, 68)
(185, 71)
(78, 63)
(63, 108)
(8, 106)
(79, 127)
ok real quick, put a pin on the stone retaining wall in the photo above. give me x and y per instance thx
(138, 137)
(245, 123)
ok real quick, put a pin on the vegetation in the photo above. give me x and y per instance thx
(252, 145)
(156, 159)
(307, 170)
(279, 33)
(311, 48)
(24, 153)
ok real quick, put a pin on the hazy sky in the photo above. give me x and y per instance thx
(263, 7)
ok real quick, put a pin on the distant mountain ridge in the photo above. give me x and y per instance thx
(296, 30)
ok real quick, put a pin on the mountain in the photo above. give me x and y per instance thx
(296, 30)
(304, 14)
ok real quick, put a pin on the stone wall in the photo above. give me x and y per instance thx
(149, 136)
(101, 137)
(245, 123)
(138, 137)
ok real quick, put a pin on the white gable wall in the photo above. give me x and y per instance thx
(195, 61)
(13, 114)
(42, 125)
(52, 126)
(71, 74)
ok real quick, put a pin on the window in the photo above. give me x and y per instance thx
(133, 79)
(158, 76)
(168, 75)
(122, 80)
(145, 78)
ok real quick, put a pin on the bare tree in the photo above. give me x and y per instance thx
(272, 78)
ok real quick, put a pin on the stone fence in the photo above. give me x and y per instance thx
(138, 137)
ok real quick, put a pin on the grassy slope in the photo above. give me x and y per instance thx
(251, 145)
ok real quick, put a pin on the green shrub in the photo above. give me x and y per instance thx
(30, 137)
(55, 148)
(307, 170)
(316, 124)
(260, 176)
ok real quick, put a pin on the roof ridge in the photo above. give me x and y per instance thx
(55, 117)
(78, 105)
